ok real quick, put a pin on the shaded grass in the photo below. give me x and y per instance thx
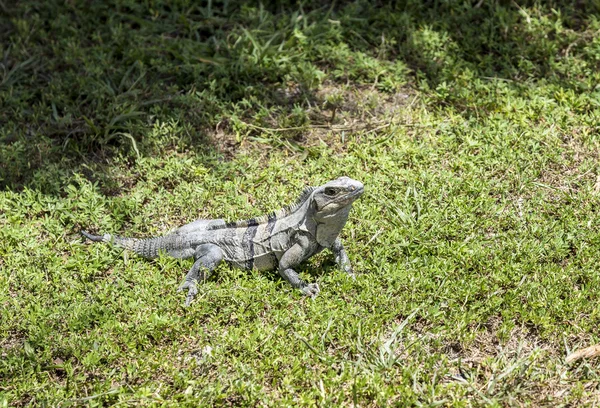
(473, 128)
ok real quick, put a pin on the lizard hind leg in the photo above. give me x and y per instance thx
(207, 257)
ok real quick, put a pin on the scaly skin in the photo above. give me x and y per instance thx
(281, 240)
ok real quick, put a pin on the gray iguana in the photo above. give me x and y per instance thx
(281, 240)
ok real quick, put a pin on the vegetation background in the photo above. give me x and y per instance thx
(473, 124)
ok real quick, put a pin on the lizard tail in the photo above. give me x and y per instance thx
(147, 248)
(96, 238)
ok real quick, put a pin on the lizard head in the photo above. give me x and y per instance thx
(337, 194)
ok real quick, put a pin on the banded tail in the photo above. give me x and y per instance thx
(147, 248)
(96, 238)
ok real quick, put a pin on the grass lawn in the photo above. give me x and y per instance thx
(474, 126)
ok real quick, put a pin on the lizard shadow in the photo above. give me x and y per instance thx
(314, 270)
(311, 270)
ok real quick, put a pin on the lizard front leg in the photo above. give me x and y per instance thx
(207, 257)
(293, 257)
(341, 258)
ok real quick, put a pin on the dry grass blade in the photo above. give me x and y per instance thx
(587, 352)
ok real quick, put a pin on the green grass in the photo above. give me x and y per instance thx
(473, 125)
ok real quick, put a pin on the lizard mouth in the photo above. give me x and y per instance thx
(355, 192)
(351, 195)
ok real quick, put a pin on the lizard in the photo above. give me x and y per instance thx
(280, 240)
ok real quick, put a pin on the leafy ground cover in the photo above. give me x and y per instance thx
(473, 125)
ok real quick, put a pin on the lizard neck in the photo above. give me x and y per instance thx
(329, 226)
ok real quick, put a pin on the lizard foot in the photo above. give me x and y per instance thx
(192, 291)
(349, 271)
(312, 290)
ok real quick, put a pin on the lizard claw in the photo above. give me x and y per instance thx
(192, 291)
(348, 269)
(312, 290)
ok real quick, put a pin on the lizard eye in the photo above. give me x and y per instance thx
(330, 191)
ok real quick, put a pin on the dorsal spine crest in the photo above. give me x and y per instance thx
(263, 219)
